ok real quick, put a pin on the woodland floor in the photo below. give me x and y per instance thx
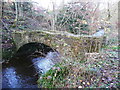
(97, 71)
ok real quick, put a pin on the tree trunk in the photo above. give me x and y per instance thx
(20, 9)
(108, 12)
(53, 16)
(1, 12)
(16, 10)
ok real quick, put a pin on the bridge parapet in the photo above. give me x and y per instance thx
(65, 43)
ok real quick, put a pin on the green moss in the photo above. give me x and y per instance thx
(114, 47)
(76, 38)
(54, 44)
(82, 61)
(7, 53)
(53, 76)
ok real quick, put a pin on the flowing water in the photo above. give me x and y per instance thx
(22, 77)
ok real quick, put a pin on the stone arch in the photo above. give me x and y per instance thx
(34, 48)
(28, 51)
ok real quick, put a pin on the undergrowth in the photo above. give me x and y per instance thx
(54, 76)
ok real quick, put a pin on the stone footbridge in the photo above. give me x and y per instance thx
(65, 43)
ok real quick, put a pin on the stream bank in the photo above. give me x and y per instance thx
(22, 71)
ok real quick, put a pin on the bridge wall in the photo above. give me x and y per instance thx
(67, 44)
